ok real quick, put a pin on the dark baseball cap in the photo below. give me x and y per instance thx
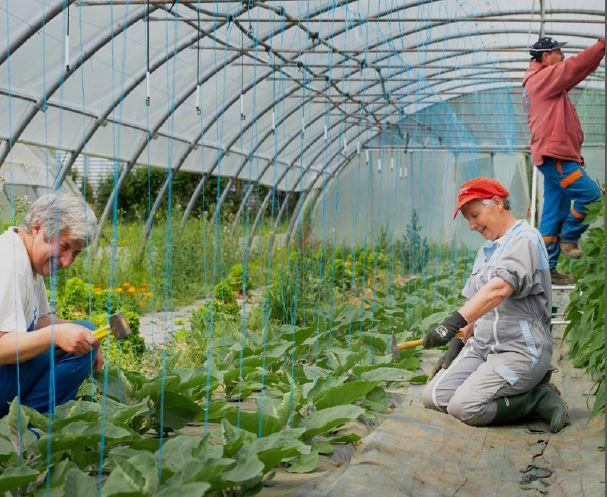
(545, 44)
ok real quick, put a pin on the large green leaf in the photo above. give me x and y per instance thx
(177, 410)
(387, 374)
(246, 468)
(194, 489)
(253, 421)
(305, 463)
(273, 449)
(344, 394)
(328, 419)
(138, 476)
(82, 434)
(15, 477)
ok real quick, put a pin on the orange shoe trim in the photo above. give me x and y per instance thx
(549, 239)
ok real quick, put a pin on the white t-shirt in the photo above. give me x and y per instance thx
(22, 293)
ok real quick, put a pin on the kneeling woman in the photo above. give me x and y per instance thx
(501, 372)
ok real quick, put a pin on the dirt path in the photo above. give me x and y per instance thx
(422, 453)
(156, 327)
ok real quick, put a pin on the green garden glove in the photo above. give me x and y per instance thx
(455, 347)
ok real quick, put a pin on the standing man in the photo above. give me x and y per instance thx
(56, 229)
(556, 142)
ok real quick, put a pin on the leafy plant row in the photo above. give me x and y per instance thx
(585, 332)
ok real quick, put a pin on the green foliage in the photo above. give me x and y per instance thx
(585, 334)
(413, 247)
(236, 279)
(284, 385)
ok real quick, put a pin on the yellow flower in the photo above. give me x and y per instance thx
(141, 303)
(148, 294)
(126, 285)
(132, 289)
(118, 290)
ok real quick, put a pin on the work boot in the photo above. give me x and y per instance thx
(560, 278)
(544, 402)
(571, 250)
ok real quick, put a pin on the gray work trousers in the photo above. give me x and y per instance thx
(489, 367)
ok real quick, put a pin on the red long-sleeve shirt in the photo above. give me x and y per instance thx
(554, 124)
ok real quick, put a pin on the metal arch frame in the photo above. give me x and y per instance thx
(198, 189)
(278, 181)
(308, 189)
(135, 82)
(66, 168)
(436, 83)
(194, 142)
(233, 178)
(100, 42)
(392, 39)
(357, 23)
(160, 122)
(47, 16)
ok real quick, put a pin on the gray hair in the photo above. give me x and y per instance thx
(505, 202)
(56, 212)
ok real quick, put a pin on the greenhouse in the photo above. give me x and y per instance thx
(302, 248)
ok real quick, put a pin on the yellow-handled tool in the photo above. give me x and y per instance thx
(119, 327)
(396, 347)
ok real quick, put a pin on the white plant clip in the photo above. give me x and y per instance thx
(198, 99)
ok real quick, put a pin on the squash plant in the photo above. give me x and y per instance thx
(585, 333)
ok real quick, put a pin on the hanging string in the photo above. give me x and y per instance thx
(198, 84)
(67, 41)
(147, 53)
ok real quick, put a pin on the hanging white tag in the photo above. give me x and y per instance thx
(67, 52)
(197, 99)
(379, 165)
(345, 145)
(147, 88)
(273, 121)
(392, 163)
(326, 133)
(400, 172)
(367, 155)
(358, 147)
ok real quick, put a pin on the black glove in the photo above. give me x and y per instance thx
(444, 332)
(455, 347)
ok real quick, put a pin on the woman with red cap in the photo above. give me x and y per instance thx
(499, 372)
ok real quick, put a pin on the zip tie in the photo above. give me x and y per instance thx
(345, 145)
(358, 147)
(273, 121)
(391, 163)
(147, 88)
(67, 53)
(326, 132)
(303, 126)
(367, 155)
(400, 172)
(379, 165)
(406, 173)
(198, 99)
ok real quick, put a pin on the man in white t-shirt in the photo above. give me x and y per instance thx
(52, 235)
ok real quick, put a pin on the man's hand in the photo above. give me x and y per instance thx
(444, 332)
(455, 347)
(74, 339)
(98, 363)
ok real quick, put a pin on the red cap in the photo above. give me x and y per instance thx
(482, 187)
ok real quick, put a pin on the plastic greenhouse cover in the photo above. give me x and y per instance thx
(306, 69)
